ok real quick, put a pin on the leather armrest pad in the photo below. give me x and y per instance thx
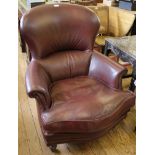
(106, 70)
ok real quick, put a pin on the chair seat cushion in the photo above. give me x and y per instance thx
(83, 104)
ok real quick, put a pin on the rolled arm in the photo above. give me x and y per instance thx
(106, 70)
(37, 83)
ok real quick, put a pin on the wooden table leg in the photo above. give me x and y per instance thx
(132, 84)
(106, 50)
(22, 44)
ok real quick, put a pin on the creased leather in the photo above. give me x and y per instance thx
(56, 30)
(84, 104)
(66, 64)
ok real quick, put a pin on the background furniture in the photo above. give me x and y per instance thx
(124, 48)
(114, 22)
(86, 2)
(33, 3)
(110, 2)
(21, 10)
(22, 42)
(127, 4)
(78, 91)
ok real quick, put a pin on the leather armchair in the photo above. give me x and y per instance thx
(77, 90)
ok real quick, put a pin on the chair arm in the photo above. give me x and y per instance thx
(37, 82)
(106, 70)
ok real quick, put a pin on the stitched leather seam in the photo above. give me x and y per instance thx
(90, 132)
(94, 119)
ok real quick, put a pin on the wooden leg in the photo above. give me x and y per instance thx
(53, 147)
(135, 129)
(132, 85)
(102, 48)
(22, 42)
(105, 49)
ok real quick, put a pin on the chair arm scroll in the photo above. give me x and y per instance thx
(37, 84)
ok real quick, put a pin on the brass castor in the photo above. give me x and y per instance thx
(53, 147)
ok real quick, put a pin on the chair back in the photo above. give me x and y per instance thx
(59, 27)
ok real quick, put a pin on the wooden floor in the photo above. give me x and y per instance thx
(119, 141)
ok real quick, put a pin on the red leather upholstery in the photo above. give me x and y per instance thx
(57, 30)
(78, 91)
(106, 70)
(83, 104)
